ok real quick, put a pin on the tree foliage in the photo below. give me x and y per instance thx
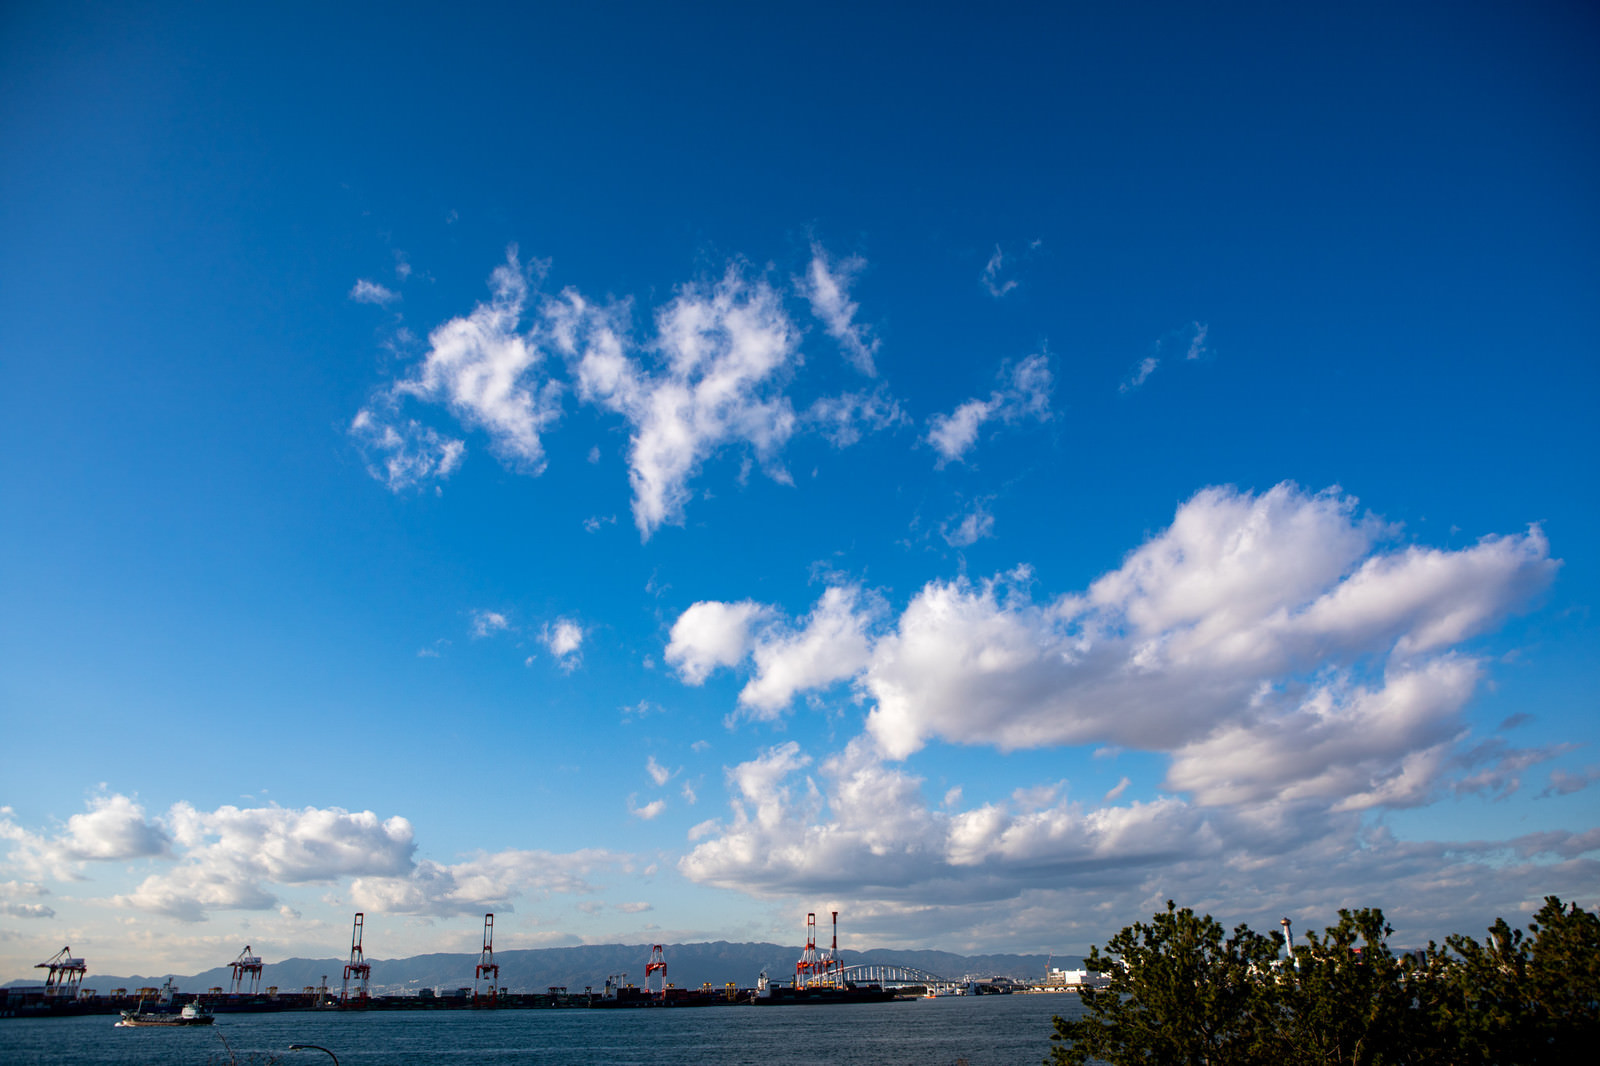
(1182, 992)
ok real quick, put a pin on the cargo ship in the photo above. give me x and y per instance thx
(191, 1014)
(819, 977)
(775, 993)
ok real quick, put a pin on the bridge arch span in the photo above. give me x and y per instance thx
(889, 974)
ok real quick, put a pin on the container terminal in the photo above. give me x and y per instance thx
(821, 976)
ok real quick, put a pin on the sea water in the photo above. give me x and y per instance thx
(982, 1030)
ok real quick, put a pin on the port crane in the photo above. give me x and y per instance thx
(246, 966)
(357, 967)
(810, 966)
(832, 964)
(66, 973)
(657, 964)
(818, 967)
(487, 967)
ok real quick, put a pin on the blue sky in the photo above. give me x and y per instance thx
(652, 473)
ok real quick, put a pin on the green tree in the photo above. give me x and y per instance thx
(1180, 993)
(1348, 1000)
(1534, 999)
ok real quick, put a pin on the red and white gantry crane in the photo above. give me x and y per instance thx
(657, 964)
(66, 974)
(246, 966)
(357, 967)
(487, 967)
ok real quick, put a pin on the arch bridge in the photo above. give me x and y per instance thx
(889, 974)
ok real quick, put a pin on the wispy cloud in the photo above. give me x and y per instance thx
(370, 292)
(726, 350)
(1141, 373)
(967, 528)
(712, 377)
(826, 285)
(488, 623)
(991, 276)
(1023, 393)
(1564, 783)
(403, 453)
(1191, 339)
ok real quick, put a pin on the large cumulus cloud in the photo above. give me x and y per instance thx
(1293, 660)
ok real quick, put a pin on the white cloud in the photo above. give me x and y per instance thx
(370, 292)
(490, 375)
(826, 285)
(712, 378)
(965, 530)
(831, 644)
(1041, 867)
(403, 453)
(488, 623)
(564, 638)
(241, 859)
(233, 855)
(991, 275)
(648, 811)
(1141, 373)
(1024, 392)
(1277, 646)
(114, 829)
(26, 910)
(842, 419)
(658, 773)
(11, 892)
(635, 908)
(711, 634)
(485, 881)
(1191, 338)
(1248, 611)
(864, 829)
(724, 352)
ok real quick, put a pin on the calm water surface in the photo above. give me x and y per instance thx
(984, 1030)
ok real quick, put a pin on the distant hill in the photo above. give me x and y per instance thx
(534, 970)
